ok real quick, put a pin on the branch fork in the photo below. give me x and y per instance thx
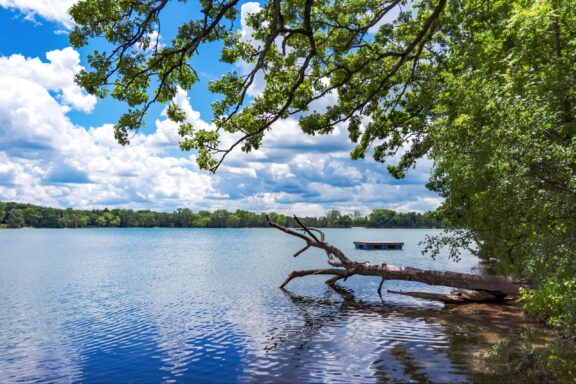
(492, 288)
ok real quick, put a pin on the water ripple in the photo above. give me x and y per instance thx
(153, 305)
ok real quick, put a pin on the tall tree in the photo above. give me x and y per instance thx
(2, 211)
(504, 142)
(15, 218)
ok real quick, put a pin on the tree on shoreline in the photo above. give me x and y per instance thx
(484, 88)
(27, 215)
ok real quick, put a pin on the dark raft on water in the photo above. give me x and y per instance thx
(369, 245)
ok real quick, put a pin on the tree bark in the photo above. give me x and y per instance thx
(455, 297)
(481, 288)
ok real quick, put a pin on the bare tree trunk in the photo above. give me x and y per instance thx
(456, 296)
(492, 288)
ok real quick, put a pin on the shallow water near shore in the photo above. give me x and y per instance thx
(203, 305)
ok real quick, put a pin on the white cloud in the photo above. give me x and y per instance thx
(246, 33)
(45, 159)
(51, 10)
(294, 171)
(246, 10)
(154, 43)
(166, 135)
(56, 75)
(421, 203)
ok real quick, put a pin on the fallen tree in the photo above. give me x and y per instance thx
(478, 288)
(458, 296)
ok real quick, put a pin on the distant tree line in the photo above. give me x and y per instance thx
(17, 215)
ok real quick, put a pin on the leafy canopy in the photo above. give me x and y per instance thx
(305, 50)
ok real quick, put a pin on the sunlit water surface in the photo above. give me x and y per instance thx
(203, 305)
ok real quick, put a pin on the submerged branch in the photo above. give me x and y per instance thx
(477, 288)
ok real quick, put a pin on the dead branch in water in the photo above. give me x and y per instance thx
(480, 288)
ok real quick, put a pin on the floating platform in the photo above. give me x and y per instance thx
(377, 245)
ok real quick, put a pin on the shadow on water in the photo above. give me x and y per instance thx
(408, 344)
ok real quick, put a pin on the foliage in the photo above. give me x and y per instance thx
(15, 219)
(554, 302)
(484, 88)
(305, 50)
(28, 215)
(386, 218)
(505, 145)
(524, 363)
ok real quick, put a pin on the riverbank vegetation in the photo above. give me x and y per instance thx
(522, 361)
(17, 215)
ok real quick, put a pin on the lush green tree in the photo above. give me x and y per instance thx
(36, 216)
(278, 218)
(357, 219)
(166, 220)
(2, 212)
(484, 88)
(218, 218)
(185, 217)
(332, 218)
(128, 218)
(50, 218)
(345, 221)
(148, 219)
(32, 216)
(232, 221)
(381, 218)
(108, 219)
(505, 143)
(201, 221)
(15, 218)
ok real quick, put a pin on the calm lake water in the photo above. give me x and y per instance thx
(203, 305)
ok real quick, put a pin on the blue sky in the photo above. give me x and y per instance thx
(57, 146)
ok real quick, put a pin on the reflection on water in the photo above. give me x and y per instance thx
(158, 305)
(369, 342)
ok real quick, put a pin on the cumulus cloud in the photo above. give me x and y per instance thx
(292, 171)
(246, 33)
(56, 75)
(51, 10)
(166, 135)
(45, 159)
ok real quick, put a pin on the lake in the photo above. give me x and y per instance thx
(203, 305)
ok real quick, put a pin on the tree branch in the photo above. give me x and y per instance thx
(495, 287)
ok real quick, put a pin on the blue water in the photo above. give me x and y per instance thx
(203, 305)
